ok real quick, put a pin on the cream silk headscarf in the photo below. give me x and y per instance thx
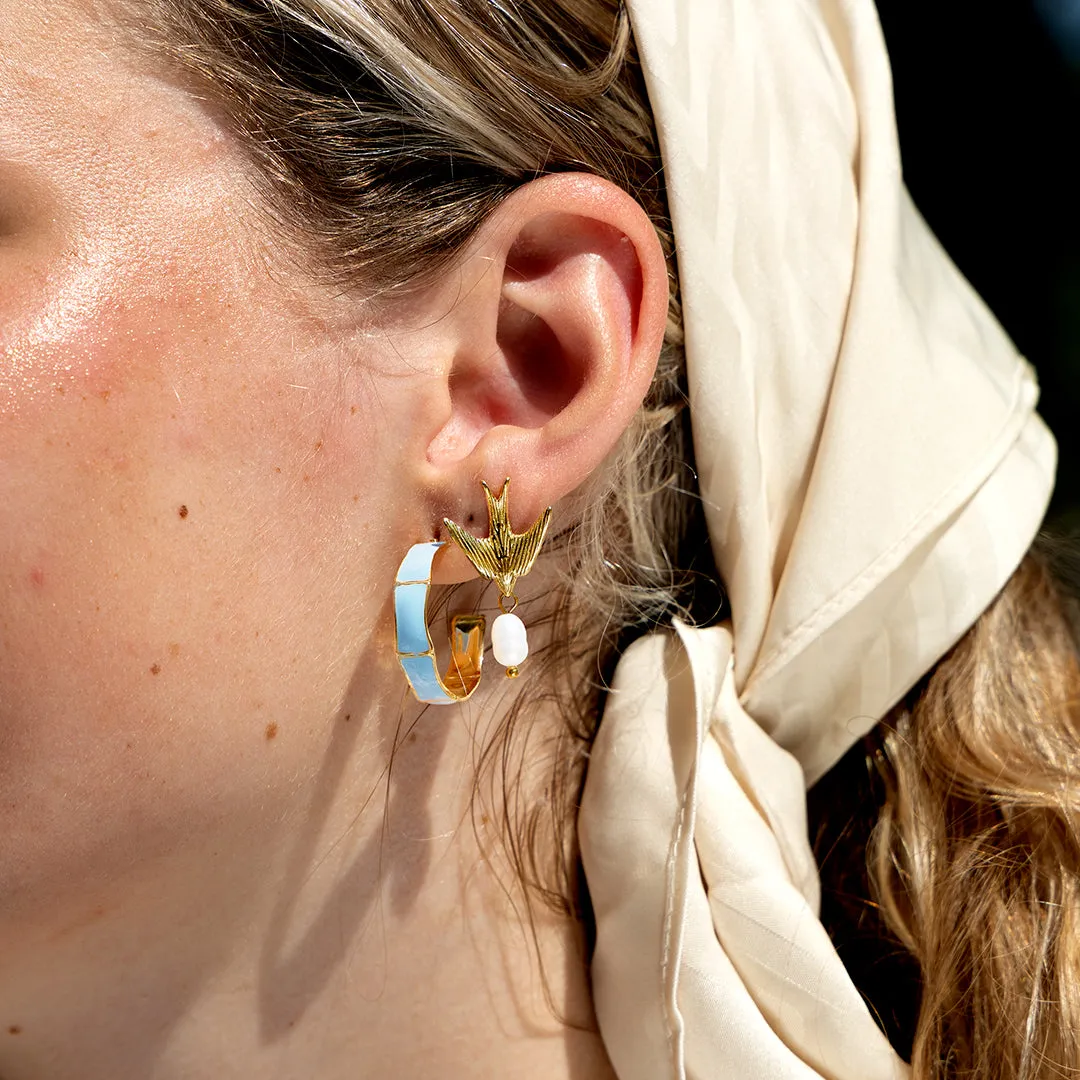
(872, 470)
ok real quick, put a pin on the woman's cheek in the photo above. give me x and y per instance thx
(181, 473)
(123, 495)
(163, 596)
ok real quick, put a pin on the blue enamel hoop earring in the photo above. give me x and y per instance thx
(503, 556)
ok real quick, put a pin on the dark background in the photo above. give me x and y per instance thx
(988, 108)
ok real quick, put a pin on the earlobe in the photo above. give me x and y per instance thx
(558, 338)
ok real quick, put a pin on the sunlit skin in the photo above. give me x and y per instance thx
(210, 467)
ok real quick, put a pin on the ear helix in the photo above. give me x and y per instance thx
(503, 556)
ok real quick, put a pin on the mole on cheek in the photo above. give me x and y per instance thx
(14, 1030)
(271, 730)
(183, 511)
(155, 669)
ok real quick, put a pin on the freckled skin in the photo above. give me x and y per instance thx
(156, 342)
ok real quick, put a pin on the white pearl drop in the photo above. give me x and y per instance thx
(509, 642)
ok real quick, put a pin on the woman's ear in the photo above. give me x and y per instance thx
(552, 339)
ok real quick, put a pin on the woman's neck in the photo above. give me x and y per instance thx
(366, 929)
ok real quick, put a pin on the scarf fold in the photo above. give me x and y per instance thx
(710, 960)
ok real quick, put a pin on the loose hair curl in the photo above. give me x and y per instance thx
(949, 843)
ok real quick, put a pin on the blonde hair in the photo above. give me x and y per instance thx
(961, 926)
(976, 858)
(384, 132)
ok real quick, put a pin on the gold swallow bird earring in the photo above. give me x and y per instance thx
(503, 556)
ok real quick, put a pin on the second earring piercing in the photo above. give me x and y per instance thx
(504, 556)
